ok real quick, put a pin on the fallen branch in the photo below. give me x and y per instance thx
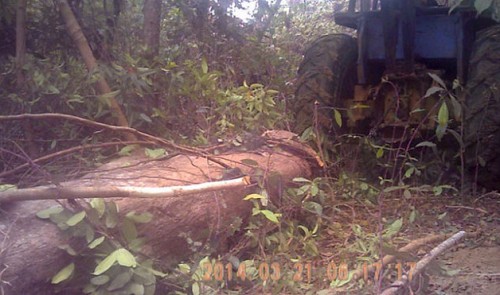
(69, 192)
(388, 259)
(68, 151)
(135, 132)
(422, 263)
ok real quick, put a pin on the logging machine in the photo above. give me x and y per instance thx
(391, 79)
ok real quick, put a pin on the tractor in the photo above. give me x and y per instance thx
(389, 80)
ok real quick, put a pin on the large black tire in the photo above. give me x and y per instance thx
(327, 75)
(482, 113)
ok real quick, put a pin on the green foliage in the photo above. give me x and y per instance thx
(488, 8)
(108, 262)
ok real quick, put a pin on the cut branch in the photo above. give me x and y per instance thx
(71, 192)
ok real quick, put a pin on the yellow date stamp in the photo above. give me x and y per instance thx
(301, 271)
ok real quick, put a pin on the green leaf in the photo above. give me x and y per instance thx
(96, 242)
(301, 179)
(154, 153)
(303, 189)
(270, 215)
(437, 79)
(63, 274)
(120, 280)
(6, 187)
(52, 90)
(135, 245)
(307, 134)
(99, 205)
(314, 207)
(413, 216)
(443, 114)
(426, 144)
(338, 117)
(393, 228)
(195, 288)
(125, 258)
(68, 249)
(253, 196)
(456, 107)
(311, 248)
(380, 153)
(304, 229)
(140, 218)
(440, 131)
(144, 276)
(105, 264)
(482, 5)
(128, 230)
(136, 289)
(250, 162)
(146, 118)
(409, 172)
(127, 150)
(99, 280)
(75, 219)
(112, 215)
(108, 96)
(204, 66)
(393, 188)
(314, 189)
(432, 90)
(89, 288)
(45, 214)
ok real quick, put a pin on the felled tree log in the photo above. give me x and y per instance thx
(29, 253)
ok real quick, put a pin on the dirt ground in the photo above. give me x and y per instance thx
(479, 272)
(473, 266)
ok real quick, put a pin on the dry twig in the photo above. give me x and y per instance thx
(422, 263)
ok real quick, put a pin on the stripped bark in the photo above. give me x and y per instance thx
(72, 192)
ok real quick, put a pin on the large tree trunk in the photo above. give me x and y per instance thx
(81, 42)
(151, 27)
(30, 256)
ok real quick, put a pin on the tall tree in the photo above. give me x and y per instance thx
(151, 28)
(20, 60)
(78, 37)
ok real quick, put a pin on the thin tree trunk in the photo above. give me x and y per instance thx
(78, 37)
(20, 41)
(151, 27)
(20, 79)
